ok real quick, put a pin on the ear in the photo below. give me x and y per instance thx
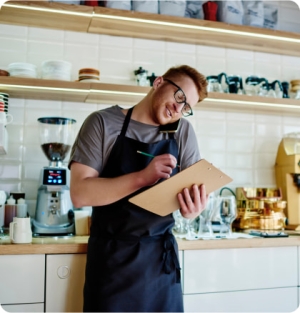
(157, 82)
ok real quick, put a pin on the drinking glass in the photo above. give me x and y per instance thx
(226, 213)
(192, 228)
(205, 218)
(180, 228)
(184, 227)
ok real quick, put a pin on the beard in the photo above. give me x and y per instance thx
(158, 109)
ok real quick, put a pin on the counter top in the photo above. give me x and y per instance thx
(49, 245)
(78, 244)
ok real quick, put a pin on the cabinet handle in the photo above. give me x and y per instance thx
(63, 272)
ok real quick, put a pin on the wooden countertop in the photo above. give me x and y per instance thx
(78, 244)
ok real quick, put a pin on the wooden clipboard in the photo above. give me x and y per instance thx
(161, 199)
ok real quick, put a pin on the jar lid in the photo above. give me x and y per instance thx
(92, 71)
(295, 88)
(140, 70)
(4, 73)
(56, 120)
(253, 80)
(212, 77)
(295, 82)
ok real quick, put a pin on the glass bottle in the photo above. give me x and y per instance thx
(10, 211)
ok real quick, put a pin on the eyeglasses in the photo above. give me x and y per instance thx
(180, 98)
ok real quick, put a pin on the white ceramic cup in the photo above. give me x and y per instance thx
(5, 118)
(20, 230)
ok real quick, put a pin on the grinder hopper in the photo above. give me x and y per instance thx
(56, 137)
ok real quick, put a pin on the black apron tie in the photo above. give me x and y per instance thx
(170, 259)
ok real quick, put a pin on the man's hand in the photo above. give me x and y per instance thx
(160, 167)
(193, 202)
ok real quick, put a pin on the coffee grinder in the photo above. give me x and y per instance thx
(54, 210)
(287, 170)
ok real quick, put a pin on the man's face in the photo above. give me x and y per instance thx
(169, 100)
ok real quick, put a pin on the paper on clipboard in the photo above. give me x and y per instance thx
(161, 199)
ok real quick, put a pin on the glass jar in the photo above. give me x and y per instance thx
(213, 84)
(141, 77)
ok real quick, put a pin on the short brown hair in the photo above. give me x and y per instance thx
(185, 70)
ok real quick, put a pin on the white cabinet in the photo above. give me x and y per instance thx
(241, 280)
(22, 279)
(24, 308)
(239, 269)
(263, 300)
(65, 275)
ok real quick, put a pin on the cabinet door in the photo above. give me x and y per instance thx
(239, 269)
(31, 308)
(264, 300)
(22, 278)
(65, 274)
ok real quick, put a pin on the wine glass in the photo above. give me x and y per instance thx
(226, 213)
(180, 228)
(184, 227)
(192, 228)
(205, 218)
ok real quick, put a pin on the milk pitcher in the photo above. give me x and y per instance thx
(20, 230)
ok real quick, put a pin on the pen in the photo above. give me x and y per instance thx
(150, 155)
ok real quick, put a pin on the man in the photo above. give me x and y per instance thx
(132, 260)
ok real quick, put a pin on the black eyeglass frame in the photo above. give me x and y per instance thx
(184, 101)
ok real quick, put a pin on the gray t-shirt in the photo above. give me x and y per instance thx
(99, 132)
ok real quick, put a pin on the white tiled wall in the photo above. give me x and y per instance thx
(242, 143)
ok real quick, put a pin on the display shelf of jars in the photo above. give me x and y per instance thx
(108, 21)
(105, 93)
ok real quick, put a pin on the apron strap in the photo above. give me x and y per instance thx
(126, 122)
(170, 259)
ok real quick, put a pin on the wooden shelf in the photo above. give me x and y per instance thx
(142, 25)
(102, 93)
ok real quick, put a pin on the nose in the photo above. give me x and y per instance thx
(177, 107)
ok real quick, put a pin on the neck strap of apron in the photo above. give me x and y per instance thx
(126, 122)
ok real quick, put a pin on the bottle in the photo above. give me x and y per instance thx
(2, 202)
(21, 208)
(10, 211)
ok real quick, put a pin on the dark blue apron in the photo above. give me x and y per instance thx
(132, 259)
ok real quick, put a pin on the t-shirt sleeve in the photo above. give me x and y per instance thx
(87, 148)
(188, 146)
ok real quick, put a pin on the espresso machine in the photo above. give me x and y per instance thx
(287, 170)
(54, 213)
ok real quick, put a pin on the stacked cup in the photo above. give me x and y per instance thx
(4, 102)
(5, 118)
